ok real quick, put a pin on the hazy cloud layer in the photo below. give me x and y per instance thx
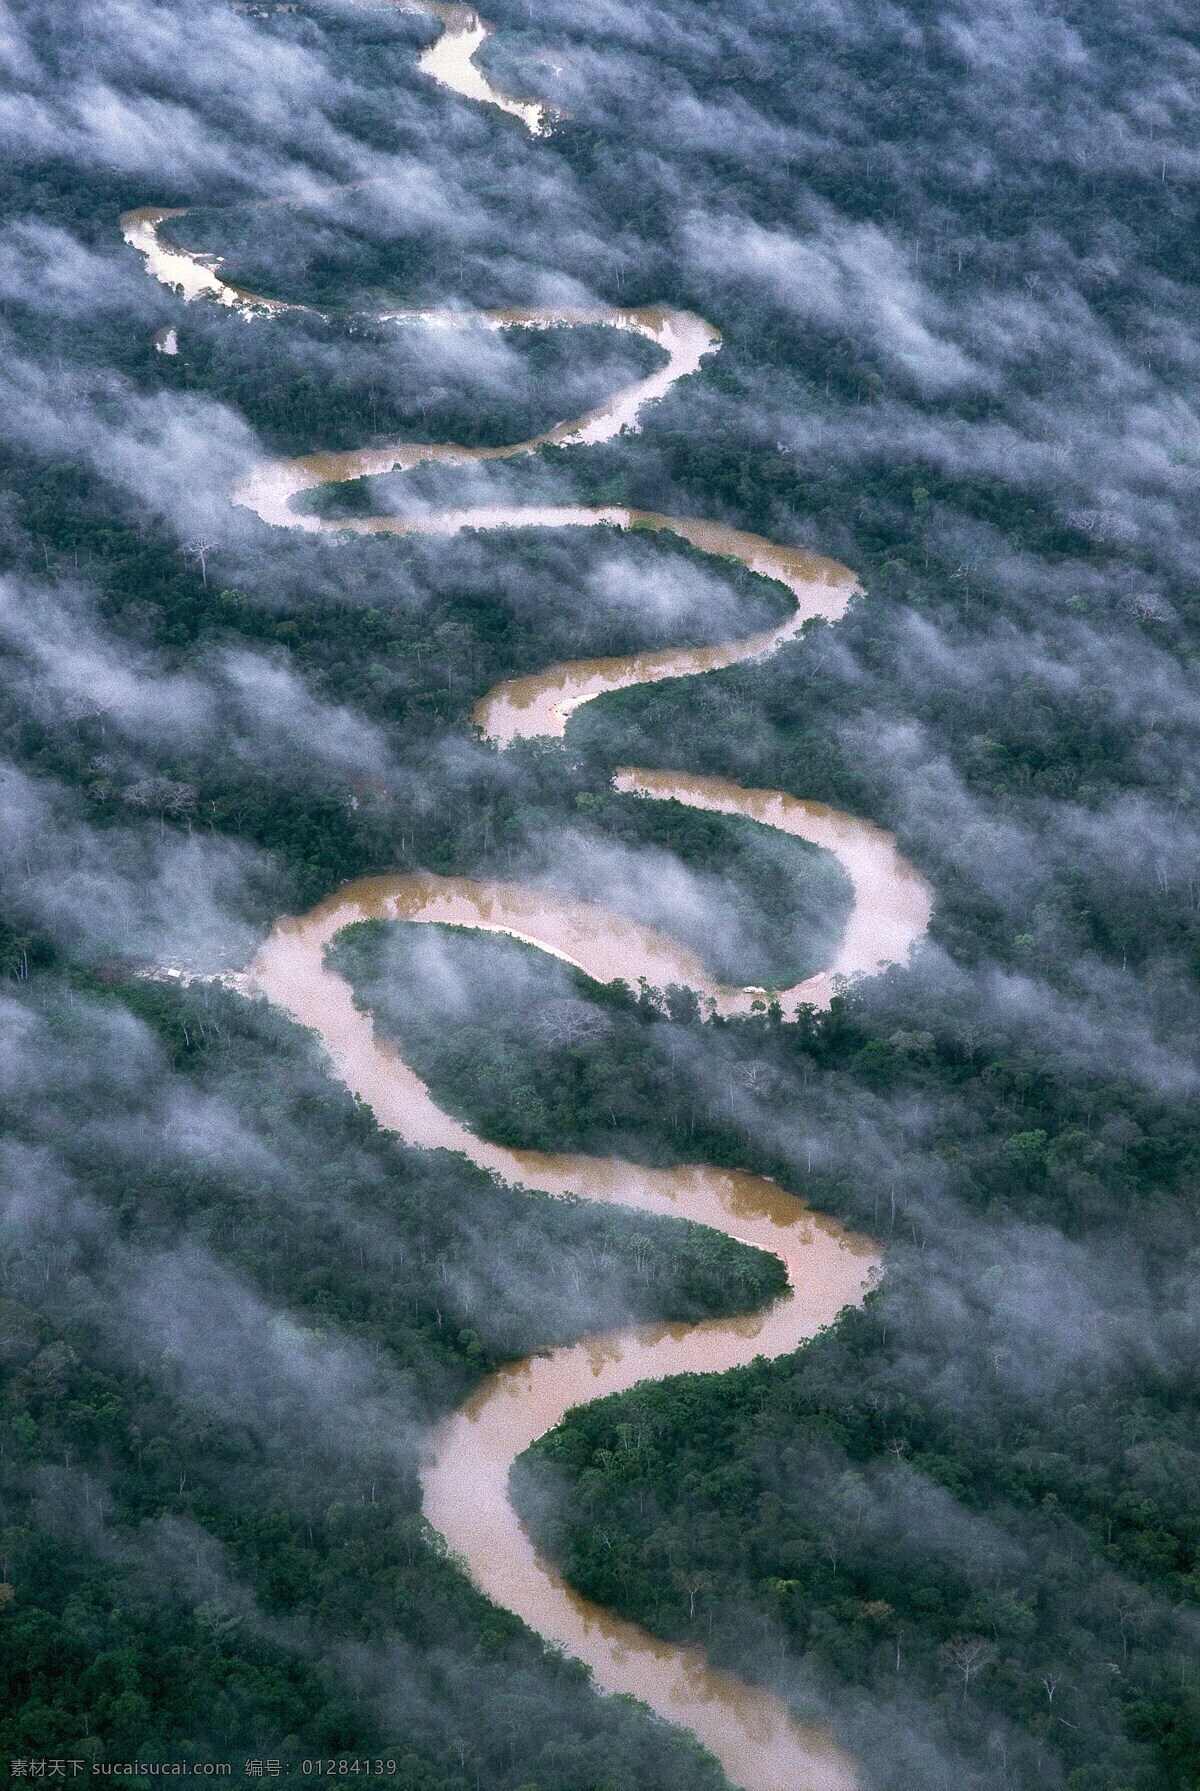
(746, 163)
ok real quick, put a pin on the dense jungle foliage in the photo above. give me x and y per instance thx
(963, 1526)
(201, 1558)
(828, 1511)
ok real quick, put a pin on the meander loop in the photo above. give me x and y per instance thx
(467, 1460)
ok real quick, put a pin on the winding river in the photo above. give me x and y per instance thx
(465, 1472)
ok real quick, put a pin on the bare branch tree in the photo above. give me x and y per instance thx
(1146, 606)
(756, 1075)
(967, 1656)
(568, 1022)
(693, 1583)
(200, 550)
(1104, 526)
(162, 794)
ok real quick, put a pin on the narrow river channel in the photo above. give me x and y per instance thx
(465, 1472)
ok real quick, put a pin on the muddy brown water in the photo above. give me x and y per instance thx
(758, 1741)
(465, 1472)
(464, 1475)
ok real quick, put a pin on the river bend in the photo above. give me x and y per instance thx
(467, 1461)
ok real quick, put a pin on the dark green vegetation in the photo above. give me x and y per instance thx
(912, 1481)
(766, 911)
(964, 1523)
(413, 665)
(529, 1052)
(210, 1527)
(1021, 1512)
(382, 387)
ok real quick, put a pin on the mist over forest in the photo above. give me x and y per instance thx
(951, 252)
